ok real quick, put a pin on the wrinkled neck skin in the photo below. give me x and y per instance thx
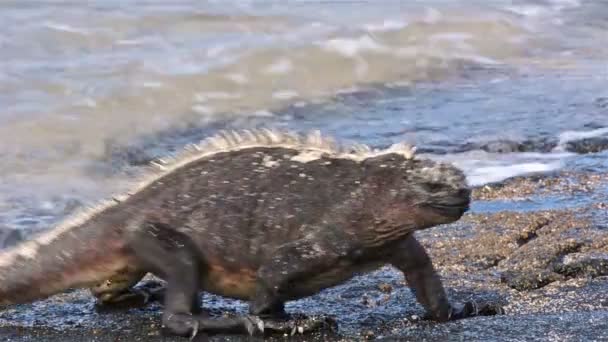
(396, 212)
(60, 259)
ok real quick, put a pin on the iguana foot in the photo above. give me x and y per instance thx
(470, 309)
(187, 325)
(278, 322)
(299, 324)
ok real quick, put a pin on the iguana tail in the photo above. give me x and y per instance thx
(62, 258)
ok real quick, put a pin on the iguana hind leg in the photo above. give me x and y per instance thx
(172, 255)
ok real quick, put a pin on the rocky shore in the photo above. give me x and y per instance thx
(548, 269)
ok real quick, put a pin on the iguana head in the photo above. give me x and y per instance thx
(442, 188)
(419, 192)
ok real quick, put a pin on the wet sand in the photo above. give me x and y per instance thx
(547, 268)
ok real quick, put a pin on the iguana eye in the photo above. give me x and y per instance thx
(432, 187)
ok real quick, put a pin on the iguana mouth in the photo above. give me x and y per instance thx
(453, 208)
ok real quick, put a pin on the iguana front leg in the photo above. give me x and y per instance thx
(411, 258)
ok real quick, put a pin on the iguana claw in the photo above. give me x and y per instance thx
(254, 324)
(194, 330)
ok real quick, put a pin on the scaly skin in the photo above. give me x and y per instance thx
(266, 224)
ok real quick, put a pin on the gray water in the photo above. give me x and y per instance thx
(91, 91)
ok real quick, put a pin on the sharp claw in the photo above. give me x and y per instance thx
(146, 296)
(500, 310)
(255, 323)
(194, 330)
(260, 325)
(469, 309)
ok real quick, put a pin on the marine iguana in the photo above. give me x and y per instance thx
(263, 216)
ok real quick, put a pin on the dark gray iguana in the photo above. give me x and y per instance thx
(262, 216)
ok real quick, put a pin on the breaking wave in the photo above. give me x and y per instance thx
(83, 88)
(128, 83)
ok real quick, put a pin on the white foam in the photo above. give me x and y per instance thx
(477, 59)
(432, 16)
(550, 10)
(568, 136)
(452, 36)
(398, 84)
(205, 110)
(237, 78)
(565, 4)
(386, 25)
(215, 51)
(281, 66)
(285, 94)
(346, 91)
(129, 42)
(64, 28)
(490, 174)
(528, 10)
(483, 167)
(152, 84)
(215, 95)
(87, 102)
(263, 113)
(350, 47)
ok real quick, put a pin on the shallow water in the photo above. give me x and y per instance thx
(91, 91)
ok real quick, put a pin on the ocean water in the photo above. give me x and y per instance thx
(90, 91)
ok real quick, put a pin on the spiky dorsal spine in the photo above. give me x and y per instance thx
(232, 140)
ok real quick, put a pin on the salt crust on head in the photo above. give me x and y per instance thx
(312, 146)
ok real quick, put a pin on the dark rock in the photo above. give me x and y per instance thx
(583, 264)
(529, 280)
(510, 146)
(601, 102)
(502, 146)
(590, 145)
(543, 145)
